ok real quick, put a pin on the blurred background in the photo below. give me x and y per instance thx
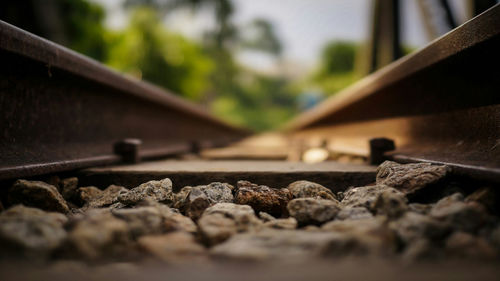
(252, 63)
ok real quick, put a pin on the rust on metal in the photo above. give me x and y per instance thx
(60, 110)
(440, 104)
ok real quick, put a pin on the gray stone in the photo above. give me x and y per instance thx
(265, 217)
(181, 197)
(141, 220)
(107, 197)
(86, 194)
(37, 194)
(365, 196)
(288, 223)
(68, 188)
(353, 213)
(173, 248)
(488, 197)
(201, 197)
(422, 209)
(391, 204)
(422, 249)
(273, 244)
(223, 220)
(313, 211)
(97, 234)
(468, 217)
(464, 245)
(494, 237)
(362, 237)
(262, 198)
(30, 232)
(304, 189)
(413, 226)
(410, 177)
(151, 217)
(160, 191)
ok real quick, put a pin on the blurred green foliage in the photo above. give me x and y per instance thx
(146, 50)
(206, 72)
(337, 67)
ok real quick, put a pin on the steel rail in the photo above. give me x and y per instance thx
(60, 110)
(440, 104)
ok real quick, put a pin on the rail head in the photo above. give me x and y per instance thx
(60, 110)
(390, 80)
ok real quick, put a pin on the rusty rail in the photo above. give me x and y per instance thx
(60, 110)
(440, 104)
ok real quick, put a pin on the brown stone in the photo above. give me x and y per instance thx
(68, 188)
(106, 198)
(313, 211)
(303, 189)
(409, 178)
(173, 248)
(37, 194)
(86, 194)
(262, 198)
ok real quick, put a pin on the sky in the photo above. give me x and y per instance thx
(304, 26)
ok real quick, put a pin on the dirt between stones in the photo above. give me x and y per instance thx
(61, 221)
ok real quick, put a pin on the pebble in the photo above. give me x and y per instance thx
(362, 237)
(262, 198)
(95, 235)
(410, 178)
(414, 226)
(141, 220)
(272, 244)
(422, 209)
(353, 213)
(365, 196)
(181, 196)
(313, 211)
(391, 204)
(201, 197)
(30, 232)
(464, 245)
(160, 191)
(173, 248)
(468, 217)
(303, 189)
(107, 197)
(288, 223)
(68, 188)
(223, 220)
(488, 197)
(86, 194)
(37, 194)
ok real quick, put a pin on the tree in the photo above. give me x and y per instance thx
(77, 24)
(147, 50)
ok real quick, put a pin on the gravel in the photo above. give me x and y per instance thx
(205, 223)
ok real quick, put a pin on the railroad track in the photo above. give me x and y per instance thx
(65, 119)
